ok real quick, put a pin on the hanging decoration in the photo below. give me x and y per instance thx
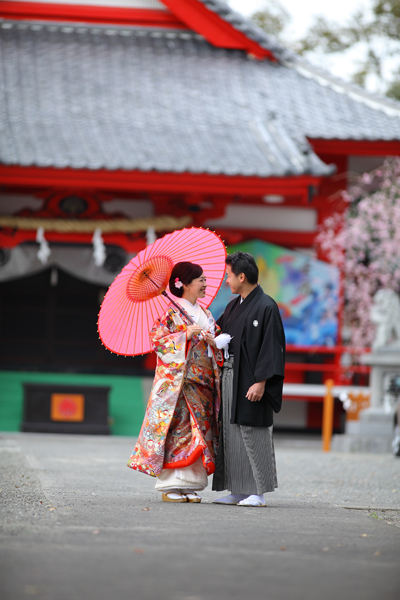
(44, 250)
(124, 233)
(150, 236)
(99, 249)
(71, 216)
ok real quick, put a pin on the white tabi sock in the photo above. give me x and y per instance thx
(191, 494)
(174, 496)
(253, 500)
(173, 493)
(231, 499)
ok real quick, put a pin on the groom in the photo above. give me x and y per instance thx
(252, 382)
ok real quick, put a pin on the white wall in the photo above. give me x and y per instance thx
(364, 164)
(133, 209)
(13, 203)
(267, 218)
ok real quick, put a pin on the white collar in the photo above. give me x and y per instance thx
(194, 311)
(189, 305)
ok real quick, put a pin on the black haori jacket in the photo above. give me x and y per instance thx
(258, 346)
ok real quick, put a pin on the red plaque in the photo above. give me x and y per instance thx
(67, 407)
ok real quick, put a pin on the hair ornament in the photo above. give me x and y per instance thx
(178, 284)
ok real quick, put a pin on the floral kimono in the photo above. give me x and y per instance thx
(180, 424)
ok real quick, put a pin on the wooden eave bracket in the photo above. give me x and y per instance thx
(218, 32)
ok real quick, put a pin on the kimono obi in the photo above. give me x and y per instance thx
(199, 369)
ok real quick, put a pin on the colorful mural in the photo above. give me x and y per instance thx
(305, 289)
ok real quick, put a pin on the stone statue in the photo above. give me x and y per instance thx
(385, 314)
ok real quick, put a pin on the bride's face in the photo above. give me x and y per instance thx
(196, 288)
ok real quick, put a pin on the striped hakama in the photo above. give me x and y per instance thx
(245, 463)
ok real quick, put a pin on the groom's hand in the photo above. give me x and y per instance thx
(209, 338)
(256, 391)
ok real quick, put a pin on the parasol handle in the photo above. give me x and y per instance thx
(182, 310)
(164, 293)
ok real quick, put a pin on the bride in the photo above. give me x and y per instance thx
(178, 440)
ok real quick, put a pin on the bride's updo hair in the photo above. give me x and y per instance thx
(183, 273)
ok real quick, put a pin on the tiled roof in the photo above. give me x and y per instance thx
(123, 98)
(290, 59)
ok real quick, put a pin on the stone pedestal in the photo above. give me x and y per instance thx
(374, 432)
(384, 361)
(376, 420)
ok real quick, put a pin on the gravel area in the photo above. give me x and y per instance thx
(369, 483)
(76, 522)
(353, 481)
(22, 500)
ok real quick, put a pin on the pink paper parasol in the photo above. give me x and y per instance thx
(135, 299)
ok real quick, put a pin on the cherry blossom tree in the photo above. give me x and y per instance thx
(364, 242)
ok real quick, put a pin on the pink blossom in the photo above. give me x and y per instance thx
(364, 241)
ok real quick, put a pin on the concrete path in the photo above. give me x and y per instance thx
(78, 524)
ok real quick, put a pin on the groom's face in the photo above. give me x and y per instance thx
(235, 282)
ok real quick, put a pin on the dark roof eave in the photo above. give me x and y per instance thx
(30, 176)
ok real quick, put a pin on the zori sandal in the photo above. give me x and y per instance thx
(193, 497)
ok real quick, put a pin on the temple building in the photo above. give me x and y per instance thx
(122, 121)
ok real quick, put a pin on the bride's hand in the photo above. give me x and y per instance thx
(209, 338)
(192, 330)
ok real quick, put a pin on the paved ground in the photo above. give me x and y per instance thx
(78, 524)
